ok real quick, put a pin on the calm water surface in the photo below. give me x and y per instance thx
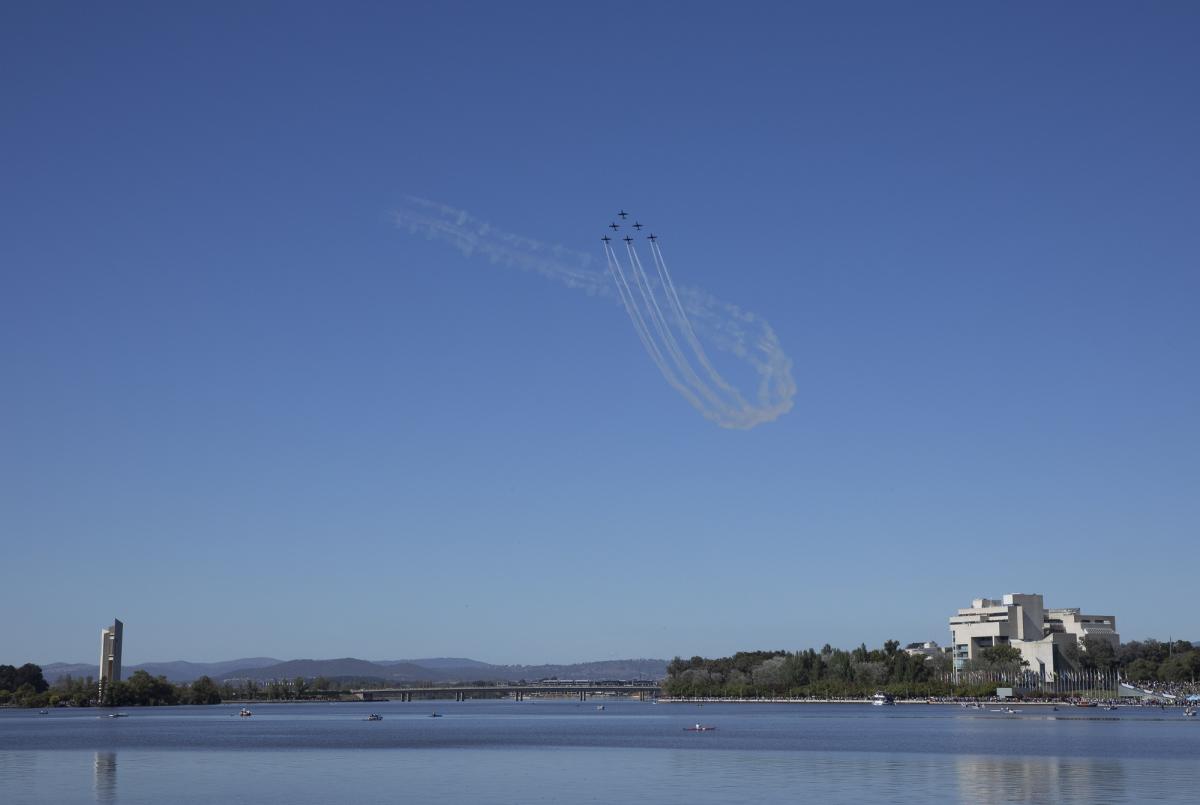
(509, 752)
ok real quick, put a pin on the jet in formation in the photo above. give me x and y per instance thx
(638, 225)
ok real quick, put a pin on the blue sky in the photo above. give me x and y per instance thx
(246, 413)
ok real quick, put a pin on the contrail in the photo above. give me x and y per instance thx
(664, 330)
(699, 318)
(639, 325)
(686, 326)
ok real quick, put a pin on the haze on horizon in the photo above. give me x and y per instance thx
(247, 413)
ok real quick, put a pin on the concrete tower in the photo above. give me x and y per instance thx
(110, 656)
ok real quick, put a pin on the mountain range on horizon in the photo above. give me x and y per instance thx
(432, 669)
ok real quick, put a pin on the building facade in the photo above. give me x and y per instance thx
(110, 655)
(1022, 621)
(928, 649)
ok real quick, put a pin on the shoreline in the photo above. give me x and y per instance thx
(1006, 702)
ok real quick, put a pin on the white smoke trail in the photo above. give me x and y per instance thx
(685, 326)
(664, 331)
(639, 325)
(697, 315)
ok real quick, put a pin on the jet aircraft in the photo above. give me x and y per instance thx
(606, 238)
(614, 226)
(637, 226)
(623, 215)
(627, 239)
(652, 236)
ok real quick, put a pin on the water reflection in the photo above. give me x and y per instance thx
(987, 779)
(104, 777)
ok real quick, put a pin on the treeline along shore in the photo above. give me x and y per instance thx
(831, 673)
(27, 687)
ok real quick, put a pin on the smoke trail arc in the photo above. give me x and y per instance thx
(665, 316)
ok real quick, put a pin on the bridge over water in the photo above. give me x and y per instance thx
(519, 692)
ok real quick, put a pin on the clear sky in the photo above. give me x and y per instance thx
(244, 411)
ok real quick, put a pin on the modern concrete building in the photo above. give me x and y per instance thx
(110, 655)
(928, 649)
(1022, 621)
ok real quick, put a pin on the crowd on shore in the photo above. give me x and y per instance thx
(1177, 690)
(1063, 701)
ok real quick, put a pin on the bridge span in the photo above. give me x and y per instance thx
(519, 692)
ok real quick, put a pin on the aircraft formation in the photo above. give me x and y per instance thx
(662, 324)
(671, 321)
(638, 225)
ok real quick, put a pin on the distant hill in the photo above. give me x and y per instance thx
(603, 669)
(181, 670)
(431, 670)
(177, 671)
(344, 668)
(437, 663)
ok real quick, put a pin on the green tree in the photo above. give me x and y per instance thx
(1098, 653)
(77, 692)
(1142, 670)
(143, 689)
(204, 691)
(12, 678)
(1183, 667)
(1002, 657)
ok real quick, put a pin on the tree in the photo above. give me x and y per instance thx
(1098, 653)
(142, 689)
(1141, 670)
(78, 692)
(869, 674)
(1181, 667)
(28, 674)
(204, 691)
(771, 675)
(1002, 657)
(940, 664)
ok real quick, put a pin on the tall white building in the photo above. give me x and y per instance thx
(1022, 621)
(110, 655)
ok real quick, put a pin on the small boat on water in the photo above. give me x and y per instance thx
(374, 717)
(245, 713)
(118, 715)
(435, 715)
(700, 728)
(1082, 703)
(880, 699)
(1189, 711)
(43, 712)
(599, 707)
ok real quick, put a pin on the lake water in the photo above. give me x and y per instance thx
(629, 752)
